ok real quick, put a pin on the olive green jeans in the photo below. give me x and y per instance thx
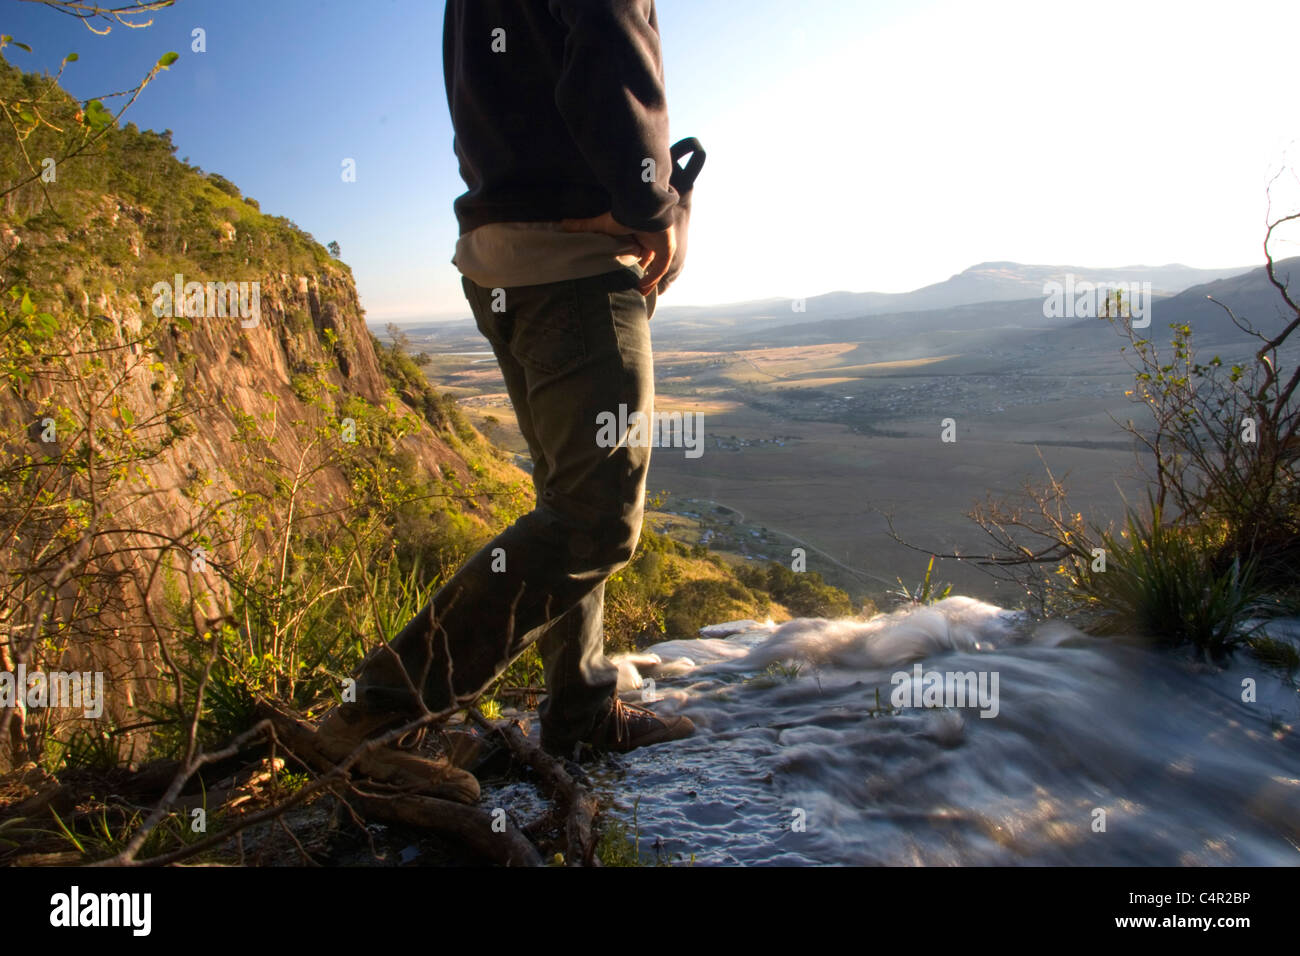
(568, 351)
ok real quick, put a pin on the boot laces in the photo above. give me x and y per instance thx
(623, 715)
(621, 733)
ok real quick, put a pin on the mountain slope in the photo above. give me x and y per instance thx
(157, 449)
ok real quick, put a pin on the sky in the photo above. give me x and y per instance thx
(852, 145)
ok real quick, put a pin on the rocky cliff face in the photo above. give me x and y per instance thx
(230, 368)
(309, 327)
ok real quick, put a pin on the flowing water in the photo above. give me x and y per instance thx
(1094, 751)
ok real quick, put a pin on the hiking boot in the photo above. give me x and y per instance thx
(347, 727)
(624, 728)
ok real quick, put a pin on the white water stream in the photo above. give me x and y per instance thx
(804, 769)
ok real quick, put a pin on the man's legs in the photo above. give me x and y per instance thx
(584, 348)
(580, 680)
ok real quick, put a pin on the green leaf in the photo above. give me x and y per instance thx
(27, 116)
(96, 116)
(21, 46)
(167, 59)
(27, 306)
(71, 58)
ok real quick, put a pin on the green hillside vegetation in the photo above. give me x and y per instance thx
(315, 546)
(180, 209)
(670, 591)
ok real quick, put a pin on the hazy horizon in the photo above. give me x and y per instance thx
(464, 314)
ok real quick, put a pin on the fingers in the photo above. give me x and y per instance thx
(662, 246)
(657, 248)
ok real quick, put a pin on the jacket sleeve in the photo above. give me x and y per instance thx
(611, 96)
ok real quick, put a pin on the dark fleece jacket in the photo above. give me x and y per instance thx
(556, 105)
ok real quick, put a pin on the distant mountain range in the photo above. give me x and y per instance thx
(985, 282)
(1250, 295)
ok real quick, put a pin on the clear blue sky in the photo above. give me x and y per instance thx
(852, 145)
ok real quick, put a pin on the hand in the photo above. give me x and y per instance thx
(657, 248)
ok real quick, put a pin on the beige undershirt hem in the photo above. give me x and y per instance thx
(508, 254)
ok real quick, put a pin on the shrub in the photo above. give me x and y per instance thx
(1162, 581)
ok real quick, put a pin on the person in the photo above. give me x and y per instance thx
(566, 229)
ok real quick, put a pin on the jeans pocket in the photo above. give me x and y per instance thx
(548, 334)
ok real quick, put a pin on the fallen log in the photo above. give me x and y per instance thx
(577, 802)
(470, 826)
